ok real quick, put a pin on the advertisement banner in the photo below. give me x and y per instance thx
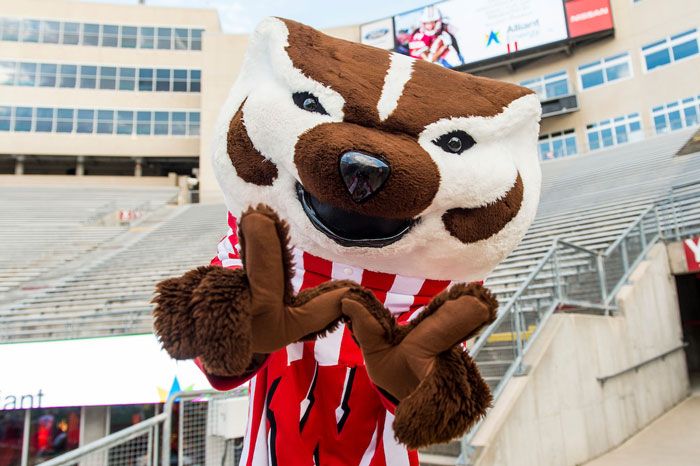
(88, 372)
(378, 34)
(588, 16)
(691, 247)
(458, 32)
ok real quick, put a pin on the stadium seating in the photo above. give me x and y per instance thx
(588, 200)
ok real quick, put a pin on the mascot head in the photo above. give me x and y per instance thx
(377, 160)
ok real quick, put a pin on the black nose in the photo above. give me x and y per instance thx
(363, 174)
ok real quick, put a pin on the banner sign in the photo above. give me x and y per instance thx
(378, 34)
(691, 247)
(90, 372)
(586, 17)
(452, 33)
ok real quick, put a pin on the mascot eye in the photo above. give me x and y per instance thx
(455, 142)
(309, 102)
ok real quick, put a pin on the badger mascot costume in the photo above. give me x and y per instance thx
(368, 194)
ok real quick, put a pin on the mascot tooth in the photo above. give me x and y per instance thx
(368, 195)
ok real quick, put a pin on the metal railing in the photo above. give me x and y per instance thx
(572, 277)
(150, 442)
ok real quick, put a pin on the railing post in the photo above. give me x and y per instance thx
(625, 258)
(519, 338)
(150, 449)
(557, 277)
(642, 238)
(181, 434)
(602, 279)
(676, 226)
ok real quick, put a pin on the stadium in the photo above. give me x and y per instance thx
(107, 116)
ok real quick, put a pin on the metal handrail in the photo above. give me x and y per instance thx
(639, 365)
(647, 238)
(109, 441)
(623, 236)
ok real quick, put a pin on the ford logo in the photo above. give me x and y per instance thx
(376, 34)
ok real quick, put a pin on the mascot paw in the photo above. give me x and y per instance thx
(439, 390)
(205, 313)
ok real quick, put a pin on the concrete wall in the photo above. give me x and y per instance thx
(559, 414)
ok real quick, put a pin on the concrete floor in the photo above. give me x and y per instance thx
(671, 440)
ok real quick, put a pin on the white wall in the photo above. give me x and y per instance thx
(559, 414)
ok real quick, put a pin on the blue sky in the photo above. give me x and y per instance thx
(241, 16)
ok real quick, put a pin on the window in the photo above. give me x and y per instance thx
(179, 123)
(71, 33)
(44, 120)
(121, 417)
(163, 80)
(146, 37)
(91, 34)
(105, 121)
(27, 74)
(165, 38)
(670, 49)
(125, 122)
(88, 77)
(127, 79)
(64, 120)
(105, 35)
(23, 118)
(144, 123)
(5, 118)
(10, 29)
(549, 86)
(67, 76)
(676, 115)
(193, 124)
(86, 119)
(102, 77)
(180, 80)
(7, 73)
(604, 71)
(145, 79)
(108, 77)
(47, 75)
(181, 39)
(110, 35)
(30, 30)
(11, 435)
(98, 121)
(619, 130)
(128, 37)
(55, 431)
(556, 145)
(50, 31)
(196, 42)
(160, 127)
(195, 80)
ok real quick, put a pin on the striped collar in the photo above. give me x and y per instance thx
(399, 293)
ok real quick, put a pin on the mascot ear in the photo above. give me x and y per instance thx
(266, 51)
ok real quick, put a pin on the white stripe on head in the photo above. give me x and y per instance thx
(397, 76)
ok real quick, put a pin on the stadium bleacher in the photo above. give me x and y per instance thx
(44, 231)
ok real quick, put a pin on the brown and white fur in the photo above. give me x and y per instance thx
(473, 207)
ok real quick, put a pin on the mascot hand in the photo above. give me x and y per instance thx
(437, 386)
(231, 318)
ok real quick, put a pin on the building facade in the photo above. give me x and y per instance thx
(643, 81)
(100, 89)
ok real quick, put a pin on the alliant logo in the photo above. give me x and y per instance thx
(492, 38)
(586, 15)
(20, 401)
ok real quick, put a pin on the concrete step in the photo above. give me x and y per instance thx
(428, 459)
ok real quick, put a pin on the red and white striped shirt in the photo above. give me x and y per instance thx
(312, 402)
